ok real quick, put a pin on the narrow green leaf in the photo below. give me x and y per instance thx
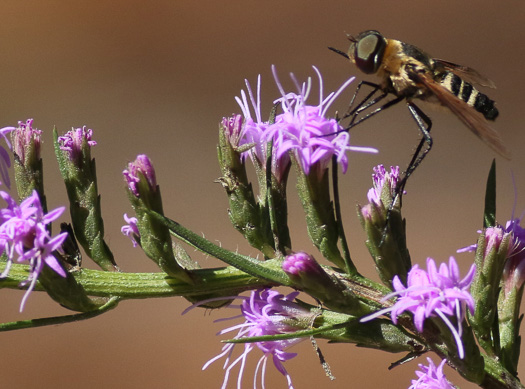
(489, 217)
(246, 264)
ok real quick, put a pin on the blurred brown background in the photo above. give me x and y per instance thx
(156, 78)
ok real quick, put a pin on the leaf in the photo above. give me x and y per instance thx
(489, 217)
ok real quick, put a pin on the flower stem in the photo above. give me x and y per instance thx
(33, 323)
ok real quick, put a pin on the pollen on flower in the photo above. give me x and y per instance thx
(433, 292)
(24, 238)
(266, 312)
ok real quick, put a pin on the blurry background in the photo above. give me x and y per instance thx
(157, 77)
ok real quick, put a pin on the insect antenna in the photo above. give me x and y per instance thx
(339, 52)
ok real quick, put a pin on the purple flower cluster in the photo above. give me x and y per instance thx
(303, 129)
(25, 139)
(131, 229)
(142, 166)
(380, 178)
(431, 377)
(5, 161)
(514, 270)
(24, 238)
(433, 292)
(266, 312)
(73, 140)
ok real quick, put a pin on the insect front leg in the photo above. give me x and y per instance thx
(365, 103)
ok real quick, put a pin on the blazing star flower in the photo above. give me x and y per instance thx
(25, 238)
(233, 129)
(380, 178)
(266, 312)
(493, 238)
(514, 270)
(5, 161)
(131, 230)
(433, 292)
(253, 130)
(26, 139)
(303, 129)
(431, 377)
(73, 140)
(307, 131)
(142, 166)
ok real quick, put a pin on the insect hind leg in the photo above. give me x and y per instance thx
(424, 125)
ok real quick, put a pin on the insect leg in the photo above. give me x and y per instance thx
(352, 111)
(354, 123)
(424, 124)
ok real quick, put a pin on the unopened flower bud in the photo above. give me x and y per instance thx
(28, 163)
(385, 227)
(141, 168)
(155, 237)
(491, 255)
(78, 170)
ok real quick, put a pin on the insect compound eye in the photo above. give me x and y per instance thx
(369, 51)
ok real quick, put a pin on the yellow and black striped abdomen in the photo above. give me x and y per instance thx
(470, 95)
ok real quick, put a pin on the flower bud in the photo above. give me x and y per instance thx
(248, 216)
(155, 238)
(510, 297)
(73, 151)
(385, 227)
(28, 163)
(309, 276)
(491, 255)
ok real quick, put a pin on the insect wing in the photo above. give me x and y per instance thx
(467, 114)
(464, 72)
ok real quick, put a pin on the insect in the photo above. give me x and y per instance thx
(408, 73)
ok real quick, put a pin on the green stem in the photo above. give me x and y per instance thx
(350, 267)
(33, 323)
(151, 285)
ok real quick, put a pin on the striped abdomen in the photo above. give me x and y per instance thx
(470, 95)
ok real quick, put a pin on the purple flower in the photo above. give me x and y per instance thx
(266, 312)
(380, 178)
(5, 161)
(25, 238)
(254, 129)
(302, 129)
(73, 141)
(300, 262)
(131, 229)
(431, 377)
(27, 141)
(433, 292)
(141, 167)
(514, 270)
(232, 127)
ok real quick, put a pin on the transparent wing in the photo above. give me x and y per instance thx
(464, 72)
(467, 114)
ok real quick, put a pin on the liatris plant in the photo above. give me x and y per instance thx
(469, 321)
